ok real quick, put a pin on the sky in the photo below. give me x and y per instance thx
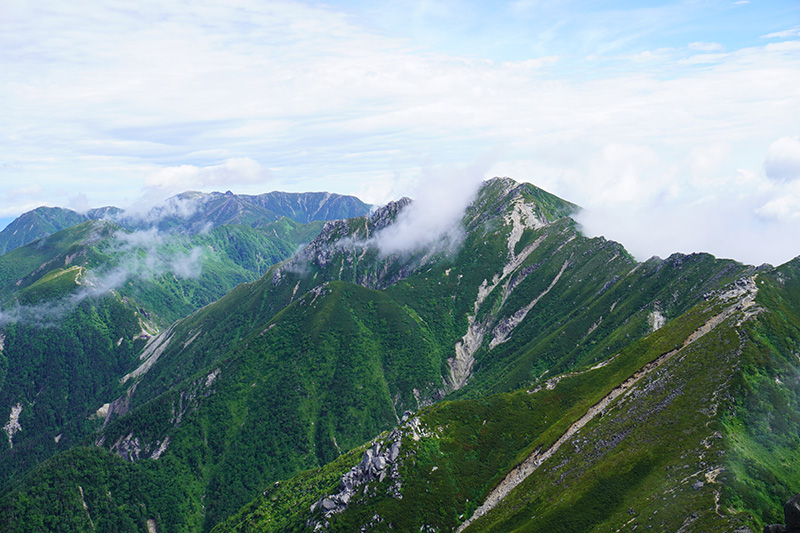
(675, 125)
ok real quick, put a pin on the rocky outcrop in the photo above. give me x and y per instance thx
(379, 462)
(791, 514)
(338, 252)
(13, 426)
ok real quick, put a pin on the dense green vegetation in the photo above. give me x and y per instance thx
(662, 455)
(60, 373)
(256, 404)
(94, 490)
(327, 374)
(79, 305)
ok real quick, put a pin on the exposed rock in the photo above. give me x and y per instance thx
(152, 351)
(13, 426)
(377, 463)
(791, 515)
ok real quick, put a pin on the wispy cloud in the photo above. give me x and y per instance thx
(431, 222)
(783, 34)
(139, 255)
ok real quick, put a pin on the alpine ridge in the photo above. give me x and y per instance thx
(530, 379)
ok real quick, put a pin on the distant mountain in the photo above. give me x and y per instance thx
(191, 213)
(40, 222)
(521, 377)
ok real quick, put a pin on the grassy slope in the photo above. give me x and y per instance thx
(762, 429)
(705, 442)
(472, 443)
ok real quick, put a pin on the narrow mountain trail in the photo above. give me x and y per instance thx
(744, 298)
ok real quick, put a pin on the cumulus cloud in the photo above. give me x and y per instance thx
(695, 205)
(235, 171)
(783, 159)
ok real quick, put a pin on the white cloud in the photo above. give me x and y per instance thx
(785, 34)
(431, 221)
(706, 47)
(233, 172)
(783, 159)
(698, 207)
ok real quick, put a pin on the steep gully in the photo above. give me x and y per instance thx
(521, 217)
(743, 294)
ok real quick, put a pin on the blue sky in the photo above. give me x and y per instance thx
(675, 124)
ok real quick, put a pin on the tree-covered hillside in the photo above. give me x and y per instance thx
(77, 306)
(189, 213)
(503, 379)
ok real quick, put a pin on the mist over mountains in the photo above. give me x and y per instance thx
(468, 360)
(189, 213)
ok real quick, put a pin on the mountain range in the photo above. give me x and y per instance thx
(190, 213)
(517, 375)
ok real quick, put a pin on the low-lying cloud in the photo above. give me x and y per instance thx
(140, 256)
(432, 221)
(697, 204)
(149, 212)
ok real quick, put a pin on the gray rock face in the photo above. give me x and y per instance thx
(791, 513)
(377, 463)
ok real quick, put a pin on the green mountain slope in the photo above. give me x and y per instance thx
(502, 344)
(190, 213)
(693, 428)
(78, 305)
(33, 225)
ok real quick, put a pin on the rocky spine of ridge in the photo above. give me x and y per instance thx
(350, 243)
